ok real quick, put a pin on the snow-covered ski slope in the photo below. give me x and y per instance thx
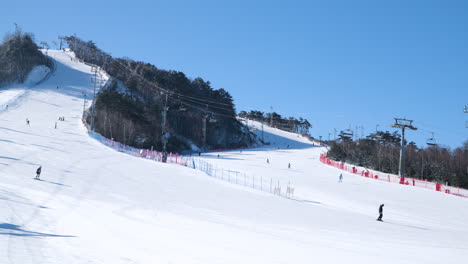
(96, 205)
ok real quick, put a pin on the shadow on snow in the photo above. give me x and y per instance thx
(16, 230)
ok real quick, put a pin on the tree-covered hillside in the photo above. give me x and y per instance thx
(130, 110)
(18, 55)
(274, 119)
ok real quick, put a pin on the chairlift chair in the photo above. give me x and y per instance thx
(347, 133)
(182, 108)
(431, 141)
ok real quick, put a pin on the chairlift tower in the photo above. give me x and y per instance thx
(263, 139)
(465, 110)
(403, 124)
(84, 104)
(93, 110)
(62, 38)
(204, 118)
(271, 116)
(163, 125)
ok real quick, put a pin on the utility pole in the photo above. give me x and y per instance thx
(163, 125)
(403, 124)
(334, 134)
(95, 70)
(205, 117)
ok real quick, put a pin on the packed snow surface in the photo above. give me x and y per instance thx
(96, 205)
(9, 95)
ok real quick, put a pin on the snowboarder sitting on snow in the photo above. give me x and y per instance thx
(27, 121)
(380, 212)
(341, 178)
(38, 172)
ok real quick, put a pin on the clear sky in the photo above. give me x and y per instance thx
(339, 64)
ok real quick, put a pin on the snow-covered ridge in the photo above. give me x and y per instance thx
(278, 138)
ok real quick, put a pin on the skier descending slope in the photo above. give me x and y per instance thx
(38, 173)
(380, 212)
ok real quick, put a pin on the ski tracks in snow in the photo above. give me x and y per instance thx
(23, 246)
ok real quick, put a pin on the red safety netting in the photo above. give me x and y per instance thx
(142, 153)
(145, 153)
(394, 178)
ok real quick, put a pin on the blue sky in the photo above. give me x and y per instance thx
(339, 64)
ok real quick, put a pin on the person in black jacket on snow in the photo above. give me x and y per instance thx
(380, 212)
(38, 172)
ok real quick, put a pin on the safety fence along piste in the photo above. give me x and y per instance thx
(266, 184)
(394, 178)
(261, 183)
